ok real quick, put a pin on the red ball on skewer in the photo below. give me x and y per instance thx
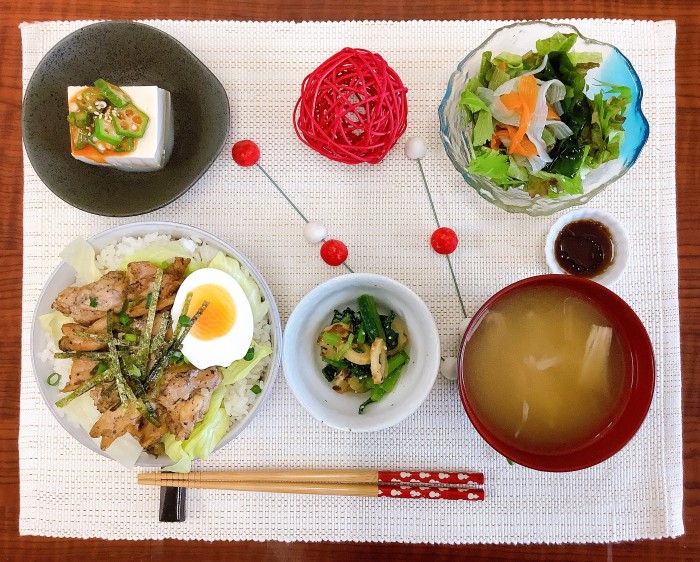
(245, 153)
(334, 252)
(444, 240)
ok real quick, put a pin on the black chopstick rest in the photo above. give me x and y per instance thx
(172, 504)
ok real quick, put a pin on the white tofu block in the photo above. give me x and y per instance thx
(154, 148)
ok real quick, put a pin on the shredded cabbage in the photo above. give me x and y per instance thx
(80, 255)
(206, 435)
(211, 429)
(258, 305)
(51, 323)
(159, 254)
(240, 368)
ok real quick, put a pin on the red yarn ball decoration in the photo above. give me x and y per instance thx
(352, 108)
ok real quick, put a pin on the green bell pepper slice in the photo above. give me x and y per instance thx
(130, 121)
(114, 94)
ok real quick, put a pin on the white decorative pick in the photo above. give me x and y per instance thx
(448, 368)
(416, 148)
(315, 232)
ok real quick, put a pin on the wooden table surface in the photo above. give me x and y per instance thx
(687, 16)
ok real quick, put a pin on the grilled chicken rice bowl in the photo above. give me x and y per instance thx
(162, 345)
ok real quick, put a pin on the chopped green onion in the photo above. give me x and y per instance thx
(134, 371)
(331, 338)
(125, 320)
(101, 368)
(250, 354)
(130, 337)
(177, 358)
(256, 389)
(184, 320)
(361, 334)
(54, 378)
(343, 349)
(93, 302)
(149, 298)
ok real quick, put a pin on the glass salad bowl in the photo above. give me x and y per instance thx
(456, 127)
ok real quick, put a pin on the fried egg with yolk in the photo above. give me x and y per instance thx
(223, 333)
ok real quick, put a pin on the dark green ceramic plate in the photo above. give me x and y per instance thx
(125, 53)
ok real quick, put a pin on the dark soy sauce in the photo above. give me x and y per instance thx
(584, 248)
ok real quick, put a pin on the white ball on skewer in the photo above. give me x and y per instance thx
(448, 368)
(416, 148)
(315, 232)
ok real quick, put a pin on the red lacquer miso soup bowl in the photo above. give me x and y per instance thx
(556, 372)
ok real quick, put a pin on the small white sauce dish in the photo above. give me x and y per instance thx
(303, 366)
(619, 239)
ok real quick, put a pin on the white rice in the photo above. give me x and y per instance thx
(239, 397)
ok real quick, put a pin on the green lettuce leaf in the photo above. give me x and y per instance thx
(258, 305)
(80, 255)
(553, 185)
(511, 60)
(605, 132)
(498, 77)
(559, 42)
(494, 166)
(483, 128)
(585, 61)
(472, 101)
(485, 68)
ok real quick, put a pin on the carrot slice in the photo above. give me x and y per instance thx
(527, 148)
(527, 89)
(512, 100)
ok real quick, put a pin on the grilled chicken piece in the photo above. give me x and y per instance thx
(115, 423)
(184, 397)
(105, 396)
(71, 341)
(92, 301)
(80, 372)
(140, 323)
(142, 275)
(147, 434)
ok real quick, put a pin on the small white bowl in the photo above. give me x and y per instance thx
(619, 240)
(302, 362)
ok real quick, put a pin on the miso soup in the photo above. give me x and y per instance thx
(544, 370)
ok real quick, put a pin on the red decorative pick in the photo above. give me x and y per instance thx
(444, 240)
(245, 153)
(352, 108)
(334, 252)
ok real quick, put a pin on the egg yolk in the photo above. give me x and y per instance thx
(219, 316)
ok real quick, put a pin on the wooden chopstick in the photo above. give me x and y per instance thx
(332, 475)
(328, 482)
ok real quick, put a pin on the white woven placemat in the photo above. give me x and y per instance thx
(383, 215)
